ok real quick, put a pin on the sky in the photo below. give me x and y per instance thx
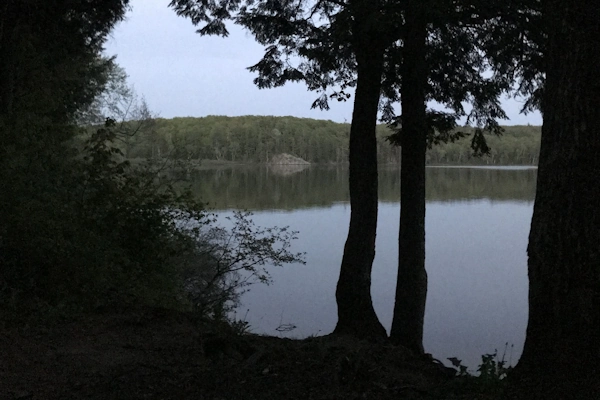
(183, 74)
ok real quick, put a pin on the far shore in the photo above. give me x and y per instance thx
(212, 164)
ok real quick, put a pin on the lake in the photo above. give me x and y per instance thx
(477, 226)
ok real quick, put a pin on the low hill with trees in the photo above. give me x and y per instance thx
(257, 139)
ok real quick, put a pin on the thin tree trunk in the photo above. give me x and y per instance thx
(562, 350)
(356, 315)
(411, 287)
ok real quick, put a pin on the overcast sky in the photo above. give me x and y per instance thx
(181, 73)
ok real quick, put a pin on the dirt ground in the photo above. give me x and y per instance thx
(156, 354)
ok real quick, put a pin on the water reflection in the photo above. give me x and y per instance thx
(260, 188)
(477, 226)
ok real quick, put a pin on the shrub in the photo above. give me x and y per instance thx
(233, 258)
(89, 231)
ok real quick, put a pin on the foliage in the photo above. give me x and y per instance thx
(234, 258)
(497, 43)
(51, 67)
(111, 237)
(115, 101)
(80, 229)
(50, 55)
(91, 239)
(493, 369)
(491, 373)
(255, 139)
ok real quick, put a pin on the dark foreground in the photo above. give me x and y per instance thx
(154, 354)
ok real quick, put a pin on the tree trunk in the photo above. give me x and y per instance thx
(562, 350)
(411, 287)
(356, 315)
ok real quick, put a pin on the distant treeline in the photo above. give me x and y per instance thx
(255, 139)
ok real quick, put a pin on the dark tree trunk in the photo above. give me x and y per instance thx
(356, 315)
(411, 287)
(562, 350)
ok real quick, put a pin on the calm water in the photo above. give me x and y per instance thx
(476, 230)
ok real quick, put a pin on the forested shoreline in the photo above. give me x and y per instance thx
(256, 139)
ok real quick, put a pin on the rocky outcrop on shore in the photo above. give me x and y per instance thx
(287, 159)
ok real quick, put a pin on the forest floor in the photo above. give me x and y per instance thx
(156, 354)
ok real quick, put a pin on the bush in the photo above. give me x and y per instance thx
(87, 232)
(233, 259)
